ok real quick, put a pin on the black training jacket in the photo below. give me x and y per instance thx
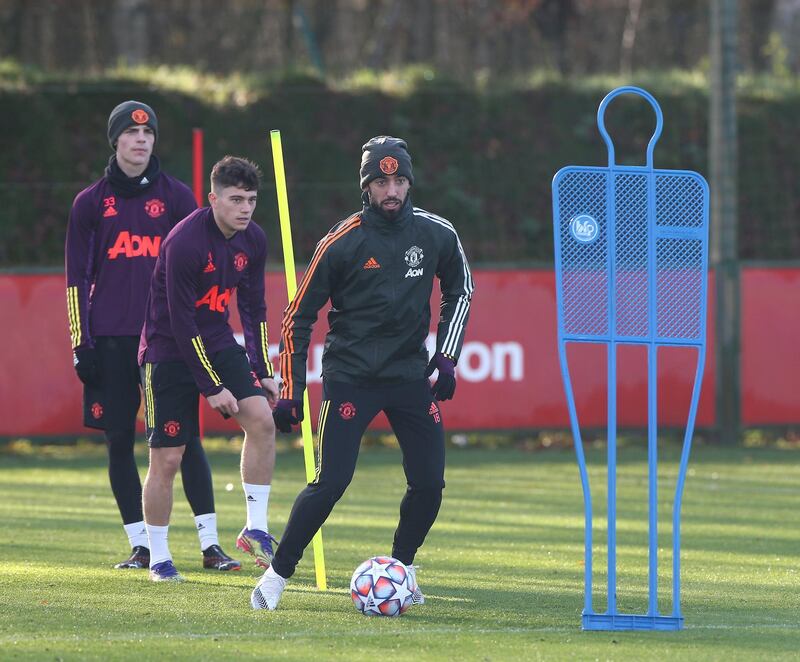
(378, 274)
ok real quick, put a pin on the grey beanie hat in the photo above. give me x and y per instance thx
(385, 155)
(130, 113)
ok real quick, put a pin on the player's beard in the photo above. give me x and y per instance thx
(390, 214)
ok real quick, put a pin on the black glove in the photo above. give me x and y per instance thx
(85, 361)
(445, 385)
(287, 413)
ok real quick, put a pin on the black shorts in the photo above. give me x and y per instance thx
(172, 398)
(113, 401)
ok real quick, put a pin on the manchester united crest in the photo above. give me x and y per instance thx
(154, 207)
(172, 428)
(140, 116)
(388, 165)
(97, 410)
(347, 410)
(240, 261)
(414, 256)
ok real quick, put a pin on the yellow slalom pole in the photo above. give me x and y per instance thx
(291, 288)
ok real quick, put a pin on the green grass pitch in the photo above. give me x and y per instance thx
(502, 568)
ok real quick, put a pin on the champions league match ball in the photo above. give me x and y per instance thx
(382, 586)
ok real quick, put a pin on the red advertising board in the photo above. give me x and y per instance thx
(509, 376)
(770, 356)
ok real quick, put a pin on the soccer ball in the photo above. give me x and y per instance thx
(381, 586)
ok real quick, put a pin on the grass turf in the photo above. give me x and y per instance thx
(502, 568)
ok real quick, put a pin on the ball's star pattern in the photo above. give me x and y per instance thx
(402, 593)
(378, 570)
(394, 585)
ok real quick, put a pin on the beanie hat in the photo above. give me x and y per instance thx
(384, 155)
(130, 113)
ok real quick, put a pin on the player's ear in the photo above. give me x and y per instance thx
(212, 198)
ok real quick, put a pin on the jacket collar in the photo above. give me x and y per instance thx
(373, 218)
(213, 228)
(130, 187)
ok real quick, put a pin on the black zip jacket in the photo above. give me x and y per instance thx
(378, 274)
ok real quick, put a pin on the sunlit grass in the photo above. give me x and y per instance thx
(502, 568)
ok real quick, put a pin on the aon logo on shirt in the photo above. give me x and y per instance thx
(132, 245)
(413, 273)
(215, 300)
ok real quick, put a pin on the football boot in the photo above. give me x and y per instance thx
(165, 572)
(215, 559)
(139, 558)
(259, 544)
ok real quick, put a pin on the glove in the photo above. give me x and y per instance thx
(287, 413)
(445, 385)
(85, 361)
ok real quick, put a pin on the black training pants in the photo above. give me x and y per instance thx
(345, 413)
(111, 405)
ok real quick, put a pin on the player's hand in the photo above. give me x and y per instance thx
(224, 403)
(269, 385)
(287, 413)
(85, 361)
(445, 385)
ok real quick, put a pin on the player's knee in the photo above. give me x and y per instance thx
(338, 489)
(333, 489)
(430, 486)
(165, 461)
(172, 464)
(120, 443)
(261, 426)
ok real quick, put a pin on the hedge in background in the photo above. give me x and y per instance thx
(483, 158)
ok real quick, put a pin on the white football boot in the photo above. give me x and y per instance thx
(267, 592)
(417, 598)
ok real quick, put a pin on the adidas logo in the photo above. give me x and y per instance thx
(200, 526)
(434, 409)
(250, 497)
(210, 266)
(372, 263)
(109, 212)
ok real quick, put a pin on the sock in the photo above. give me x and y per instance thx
(270, 572)
(207, 530)
(137, 534)
(257, 497)
(159, 549)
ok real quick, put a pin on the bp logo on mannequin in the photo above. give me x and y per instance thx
(584, 228)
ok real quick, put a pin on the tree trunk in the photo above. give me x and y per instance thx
(629, 37)
(47, 36)
(786, 22)
(130, 31)
(724, 257)
(90, 53)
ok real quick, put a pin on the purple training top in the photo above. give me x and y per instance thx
(196, 274)
(111, 249)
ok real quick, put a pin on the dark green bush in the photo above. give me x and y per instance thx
(483, 158)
